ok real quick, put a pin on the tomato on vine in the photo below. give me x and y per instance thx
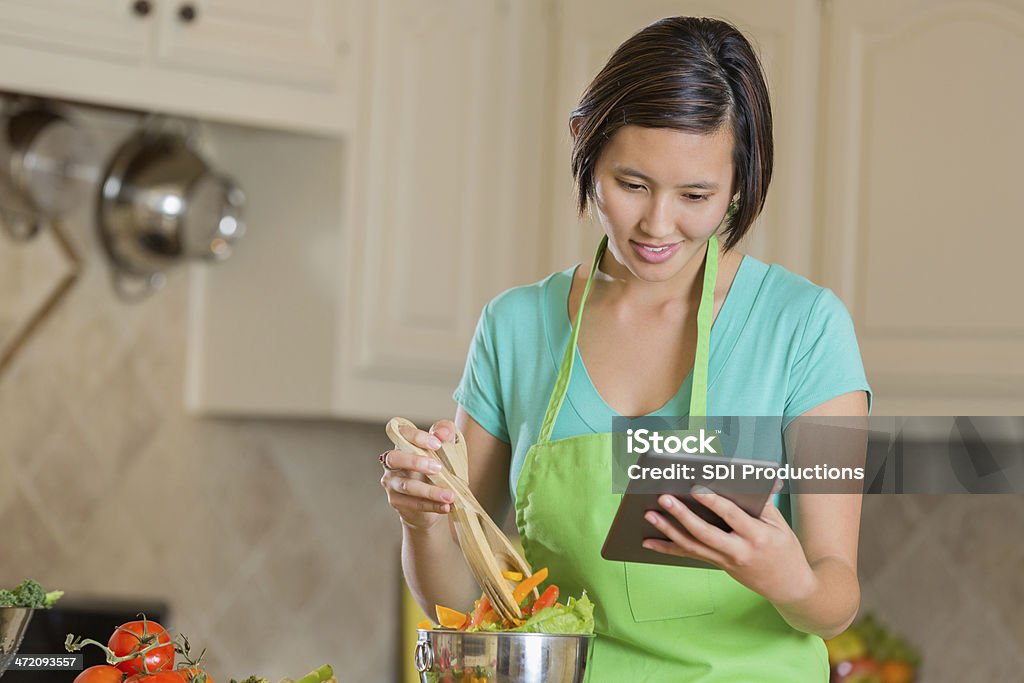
(165, 676)
(101, 673)
(139, 636)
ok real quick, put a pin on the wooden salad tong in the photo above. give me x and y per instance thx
(487, 550)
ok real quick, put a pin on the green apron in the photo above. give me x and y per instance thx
(654, 622)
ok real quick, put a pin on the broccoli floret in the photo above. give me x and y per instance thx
(28, 594)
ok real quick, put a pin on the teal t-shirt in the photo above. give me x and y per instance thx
(779, 346)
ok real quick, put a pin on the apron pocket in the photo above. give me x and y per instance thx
(658, 591)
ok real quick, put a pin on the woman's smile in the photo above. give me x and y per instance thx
(654, 253)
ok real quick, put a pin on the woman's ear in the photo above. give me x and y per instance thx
(575, 123)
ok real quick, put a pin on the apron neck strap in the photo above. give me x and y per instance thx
(705, 314)
(699, 386)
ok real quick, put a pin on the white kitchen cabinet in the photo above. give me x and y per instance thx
(446, 213)
(372, 307)
(276, 64)
(785, 34)
(921, 153)
(104, 28)
(295, 42)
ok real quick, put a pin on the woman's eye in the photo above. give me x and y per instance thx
(632, 187)
(696, 197)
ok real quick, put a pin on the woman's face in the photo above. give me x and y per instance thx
(660, 194)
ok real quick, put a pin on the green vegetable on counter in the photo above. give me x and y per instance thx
(29, 594)
(321, 675)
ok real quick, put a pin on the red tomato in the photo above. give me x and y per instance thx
(129, 636)
(158, 677)
(102, 673)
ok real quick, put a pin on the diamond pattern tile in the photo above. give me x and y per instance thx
(30, 547)
(64, 462)
(34, 275)
(120, 416)
(887, 521)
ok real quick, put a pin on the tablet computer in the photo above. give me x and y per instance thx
(629, 528)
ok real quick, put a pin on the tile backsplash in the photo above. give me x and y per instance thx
(271, 540)
(945, 572)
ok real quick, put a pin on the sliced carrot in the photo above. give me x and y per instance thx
(528, 584)
(450, 618)
(512, 576)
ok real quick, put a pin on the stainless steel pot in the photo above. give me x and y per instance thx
(161, 203)
(502, 657)
(47, 167)
(13, 622)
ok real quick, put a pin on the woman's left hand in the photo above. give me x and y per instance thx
(761, 553)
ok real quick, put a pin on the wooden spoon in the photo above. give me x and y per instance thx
(458, 457)
(484, 546)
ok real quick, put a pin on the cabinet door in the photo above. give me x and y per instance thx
(105, 28)
(785, 35)
(296, 42)
(445, 205)
(922, 146)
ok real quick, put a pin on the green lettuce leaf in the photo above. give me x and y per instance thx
(575, 618)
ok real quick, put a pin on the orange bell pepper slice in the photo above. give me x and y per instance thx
(425, 624)
(450, 618)
(512, 576)
(528, 584)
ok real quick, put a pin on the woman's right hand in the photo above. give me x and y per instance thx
(418, 502)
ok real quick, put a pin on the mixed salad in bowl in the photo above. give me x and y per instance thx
(543, 615)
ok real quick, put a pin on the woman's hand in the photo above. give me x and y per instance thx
(761, 553)
(419, 503)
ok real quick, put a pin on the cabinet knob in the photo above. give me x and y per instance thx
(187, 13)
(142, 8)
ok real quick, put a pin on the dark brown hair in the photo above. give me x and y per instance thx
(691, 74)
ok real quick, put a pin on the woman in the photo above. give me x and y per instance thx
(672, 150)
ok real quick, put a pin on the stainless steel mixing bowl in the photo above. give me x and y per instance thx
(502, 657)
(13, 622)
